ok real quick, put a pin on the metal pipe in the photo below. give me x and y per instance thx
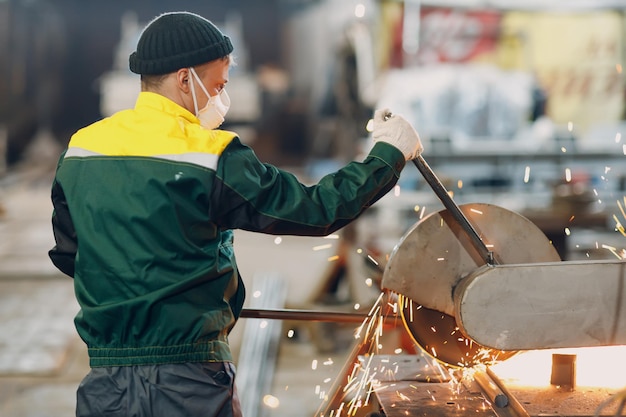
(493, 392)
(312, 315)
(514, 404)
(454, 210)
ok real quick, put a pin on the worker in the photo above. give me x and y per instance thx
(145, 203)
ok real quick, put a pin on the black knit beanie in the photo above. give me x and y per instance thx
(178, 40)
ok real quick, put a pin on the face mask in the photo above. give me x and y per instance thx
(212, 115)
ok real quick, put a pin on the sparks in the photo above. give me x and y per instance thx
(362, 380)
(527, 175)
(271, 401)
(322, 247)
(613, 250)
(372, 260)
(359, 10)
(402, 396)
(618, 226)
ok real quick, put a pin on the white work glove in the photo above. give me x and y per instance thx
(396, 131)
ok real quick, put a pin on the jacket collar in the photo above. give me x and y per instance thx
(150, 100)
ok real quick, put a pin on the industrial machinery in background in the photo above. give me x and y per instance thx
(59, 56)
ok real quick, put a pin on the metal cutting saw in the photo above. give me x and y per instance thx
(477, 283)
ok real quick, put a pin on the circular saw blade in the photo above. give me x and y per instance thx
(435, 254)
(438, 335)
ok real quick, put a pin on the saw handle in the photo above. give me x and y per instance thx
(454, 210)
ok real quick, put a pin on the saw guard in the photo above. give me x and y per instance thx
(545, 305)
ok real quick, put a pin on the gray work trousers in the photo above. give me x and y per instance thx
(172, 390)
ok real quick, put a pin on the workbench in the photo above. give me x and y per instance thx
(418, 388)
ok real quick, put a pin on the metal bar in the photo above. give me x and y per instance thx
(513, 403)
(312, 315)
(454, 210)
(491, 390)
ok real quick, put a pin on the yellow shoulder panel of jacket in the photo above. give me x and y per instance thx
(149, 134)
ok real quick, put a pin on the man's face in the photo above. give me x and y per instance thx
(214, 76)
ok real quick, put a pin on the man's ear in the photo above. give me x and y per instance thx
(182, 79)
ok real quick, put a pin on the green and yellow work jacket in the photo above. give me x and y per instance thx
(145, 202)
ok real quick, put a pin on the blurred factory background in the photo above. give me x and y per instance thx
(519, 103)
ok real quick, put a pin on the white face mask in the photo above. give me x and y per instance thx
(212, 115)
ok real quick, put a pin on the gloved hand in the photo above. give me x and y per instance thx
(396, 131)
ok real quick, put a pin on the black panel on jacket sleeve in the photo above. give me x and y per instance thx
(64, 253)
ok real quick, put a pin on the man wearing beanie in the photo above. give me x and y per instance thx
(145, 203)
